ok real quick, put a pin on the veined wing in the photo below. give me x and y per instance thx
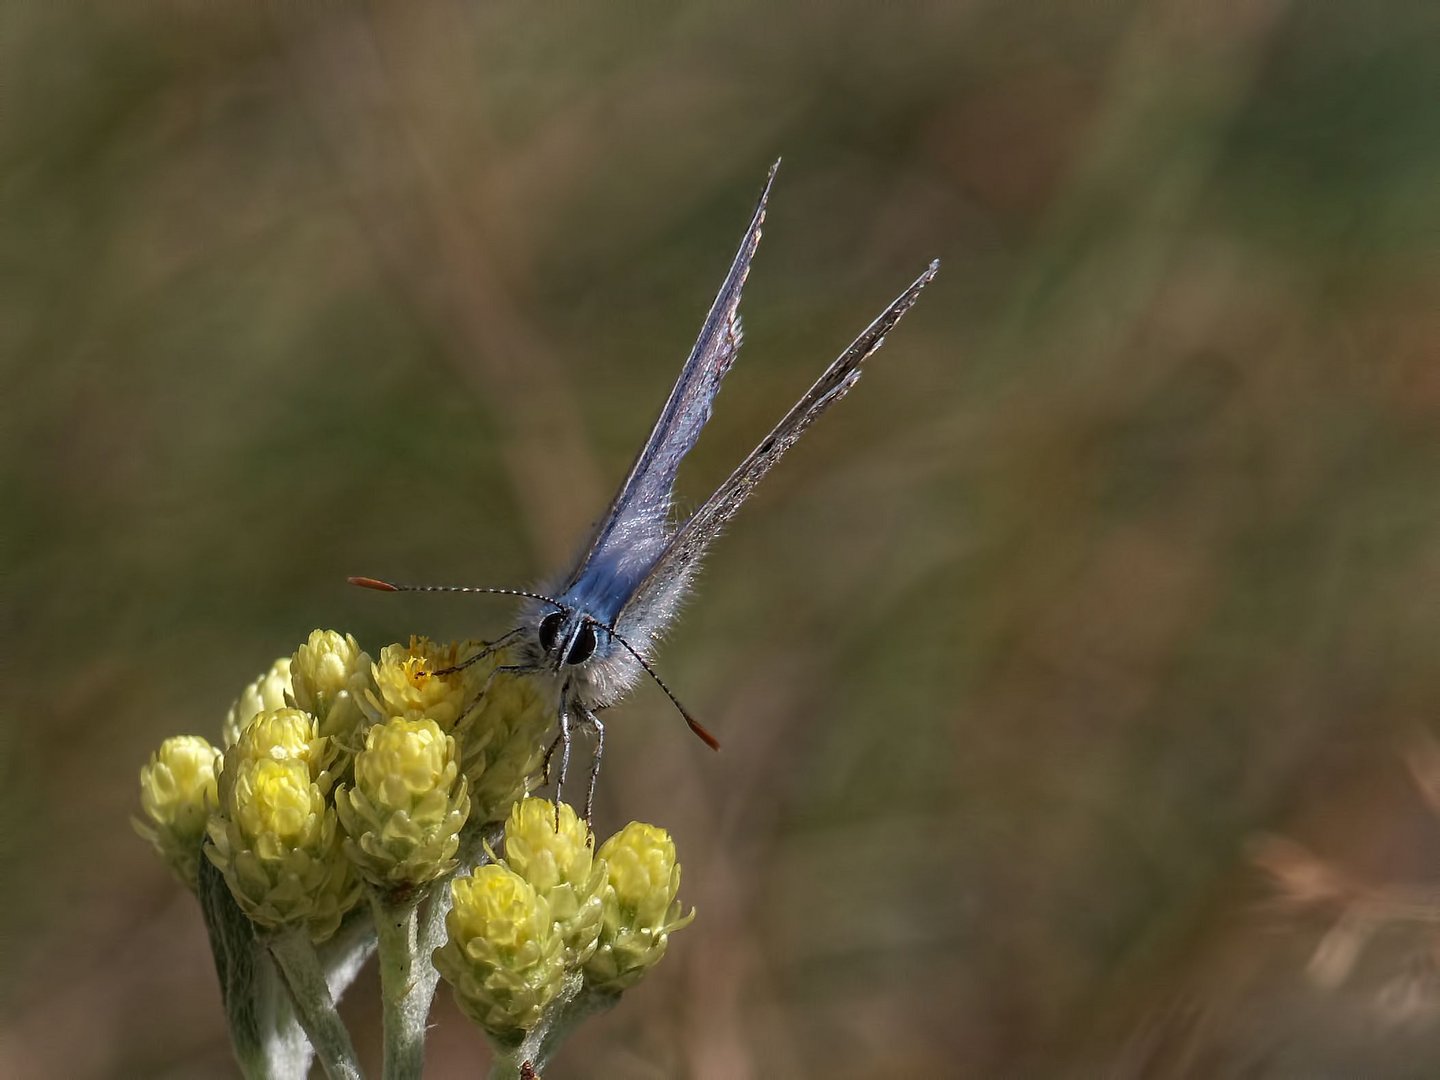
(656, 596)
(636, 527)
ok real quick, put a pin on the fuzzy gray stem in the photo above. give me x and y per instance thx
(296, 958)
(268, 1041)
(404, 995)
(575, 1003)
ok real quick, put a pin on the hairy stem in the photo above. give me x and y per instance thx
(268, 1041)
(296, 958)
(405, 995)
(575, 1003)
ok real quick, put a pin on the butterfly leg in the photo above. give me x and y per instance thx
(593, 721)
(564, 754)
(488, 650)
(549, 756)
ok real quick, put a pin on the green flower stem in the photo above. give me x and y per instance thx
(296, 958)
(406, 1004)
(575, 1003)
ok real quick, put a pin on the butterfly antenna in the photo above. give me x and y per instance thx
(695, 725)
(390, 586)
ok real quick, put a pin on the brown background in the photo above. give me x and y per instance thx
(1124, 552)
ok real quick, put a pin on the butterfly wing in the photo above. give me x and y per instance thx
(655, 599)
(636, 527)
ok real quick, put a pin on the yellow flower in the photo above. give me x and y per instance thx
(274, 835)
(268, 691)
(177, 793)
(276, 841)
(640, 906)
(503, 959)
(406, 683)
(330, 674)
(407, 806)
(280, 735)
(560, 863)
(277, 807)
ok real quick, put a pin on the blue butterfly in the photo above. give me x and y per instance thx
(593, 633)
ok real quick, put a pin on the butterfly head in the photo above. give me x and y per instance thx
(567, 638)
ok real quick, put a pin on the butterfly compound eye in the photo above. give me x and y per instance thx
(582, 647)
(550, 629)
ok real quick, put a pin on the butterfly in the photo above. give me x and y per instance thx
(594, 632)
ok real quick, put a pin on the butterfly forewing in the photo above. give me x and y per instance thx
(635, 528)
(655, 597)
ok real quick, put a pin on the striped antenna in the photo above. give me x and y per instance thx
(390, 586)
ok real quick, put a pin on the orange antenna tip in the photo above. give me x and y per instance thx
(372, 583)
(700, 730)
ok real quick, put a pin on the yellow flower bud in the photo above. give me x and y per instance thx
(330, 675)
(276, 806)
(407, 806)
(503, 959)
(268, 691)
(640, 906)
(560, 863)
(276, 841)
(177, 793)
(406, 683)
(280, 735)
(274, 836)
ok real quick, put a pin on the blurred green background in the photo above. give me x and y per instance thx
(1124, 552)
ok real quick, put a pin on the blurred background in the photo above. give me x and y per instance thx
(1125, 553)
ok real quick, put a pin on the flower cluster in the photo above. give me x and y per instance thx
(337, 777)
(554, 917)
(336, 770)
